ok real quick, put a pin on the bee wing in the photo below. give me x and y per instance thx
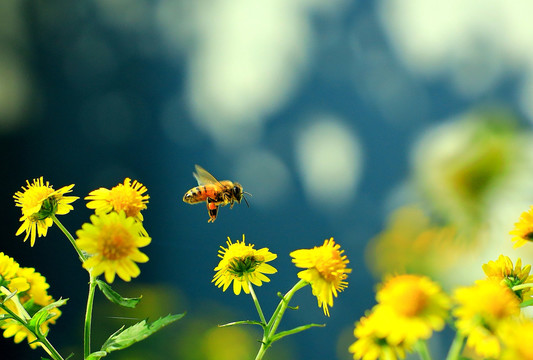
(203, 176)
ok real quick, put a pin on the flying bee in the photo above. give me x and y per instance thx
(215, 193)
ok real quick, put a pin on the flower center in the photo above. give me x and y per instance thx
(239, 266)
(116, 242)
(408, 299)
(529, 236)
(126, 199)
(330, 266)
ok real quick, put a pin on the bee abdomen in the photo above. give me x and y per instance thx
(195, 195)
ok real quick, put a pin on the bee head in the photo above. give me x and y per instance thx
(237, 192)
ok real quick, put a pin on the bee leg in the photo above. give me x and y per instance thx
(212, 210)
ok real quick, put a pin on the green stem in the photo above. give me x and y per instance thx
(522, 286)
(41, 338)
(456, 347)
(423, 351)
(272, 326)
(256, 302)
(71, 239)
(88, 318)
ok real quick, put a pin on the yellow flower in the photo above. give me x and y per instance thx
(502, 270)
(9, 275)
(28, 294)
(242, 264)
(372, 342)
(517, 338)
(481, 311)
(523, 229)
(38, 291)
(415, 306)
(325, 270)
(112, 241)
(39, 201)
(125, 197)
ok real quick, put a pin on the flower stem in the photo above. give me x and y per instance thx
(88, 318)
(272, 326)
(256, 302)
(456, 347)
(71, 239)
(423, 351)
(41, 338)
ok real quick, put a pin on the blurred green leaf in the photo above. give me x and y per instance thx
(97, 355)
(115, 297)
(124, 338)
(294, 331)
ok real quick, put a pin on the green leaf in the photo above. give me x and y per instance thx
(135, 333)
(115, 297)
(526, 303)
(97, 355)
(44, 314)
(294, 331)
(243, 322)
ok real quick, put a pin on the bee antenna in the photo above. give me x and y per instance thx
(246, 201)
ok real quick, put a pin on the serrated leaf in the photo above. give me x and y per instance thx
(115, 297)
(124, 338)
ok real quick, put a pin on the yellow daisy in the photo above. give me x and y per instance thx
(523, 229)
(242, 264)
(481, 310)
(372, 342)
(9, 275)
(127, 197)
(38, 291)
(39, 201)
(502, 270)
(326, 271)
(415, 307)
(112, 241)
(517, 338)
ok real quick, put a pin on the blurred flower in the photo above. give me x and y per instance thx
(127, 197)
(523, 229)
(16, 330)
(502, 270)
(372, 342)
(415, 306)
(241, 264)
(325, 270)
(112, 241)
(481, 311)
(9, 275)
(39, 201)
(463, 166)
(411, 243)
(27, 290)
(517, 339)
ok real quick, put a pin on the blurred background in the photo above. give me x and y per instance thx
(402, 128)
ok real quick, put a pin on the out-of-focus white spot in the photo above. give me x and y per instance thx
(474, 43)
(265, 176)
(329, 158)
(15, 90)
(245, 58)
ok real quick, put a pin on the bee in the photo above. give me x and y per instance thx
(215, 193)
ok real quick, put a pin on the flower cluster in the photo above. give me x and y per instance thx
(487, 314)
(23, 292)
(409, 308)
(115, 234)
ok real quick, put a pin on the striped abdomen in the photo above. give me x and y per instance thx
(201, 193)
